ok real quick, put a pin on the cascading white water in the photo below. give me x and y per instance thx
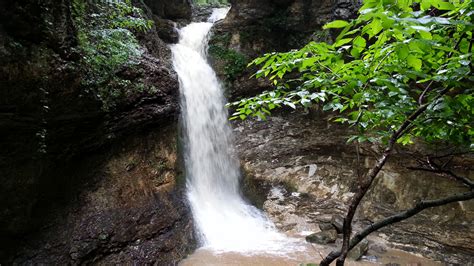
(225, 222)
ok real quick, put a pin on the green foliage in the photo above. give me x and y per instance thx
(235, 62)
(122, 15)
(220, 39)
(211, 2)
(108, 45)
(393, 58)
(106, 51)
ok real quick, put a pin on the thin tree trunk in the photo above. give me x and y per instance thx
(365, 185)
(397, 218)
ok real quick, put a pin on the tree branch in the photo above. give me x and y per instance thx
(400, 217)
(446, 172)
(422, 95)
(364, 186)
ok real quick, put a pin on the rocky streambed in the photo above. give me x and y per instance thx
(302, 169)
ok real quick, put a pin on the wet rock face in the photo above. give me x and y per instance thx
(163, 32)
(25, 95)
(173, 10)
(66, 190)
(164, 28)
(313, 170)
(128, 207)
(253, 28)
(303, 15)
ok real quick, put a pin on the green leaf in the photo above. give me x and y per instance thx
(403, 51)
(359, 42)
(308, 62)
(352, 138)
(336, 24)
(415, 45)
(425, 35)
(341, 42)
(374, 28)
(327, 107)
(290, 104)
(444, 5)
(423, 31)
(405, 140)
(414, 62)
(425, 4)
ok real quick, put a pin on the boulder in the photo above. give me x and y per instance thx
(338, 222)
(326, 226)
(167, 30)
(377, 247)
(323, 237)
(359, 250)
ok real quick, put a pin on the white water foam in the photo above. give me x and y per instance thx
(225, 222)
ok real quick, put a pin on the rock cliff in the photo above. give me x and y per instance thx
(82, 184)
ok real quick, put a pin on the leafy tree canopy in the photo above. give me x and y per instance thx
(393, 58)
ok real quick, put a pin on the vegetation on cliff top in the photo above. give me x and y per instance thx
(401, 71)
(106, 39)
(211, 2)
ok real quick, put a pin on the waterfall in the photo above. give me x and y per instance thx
(224, 221)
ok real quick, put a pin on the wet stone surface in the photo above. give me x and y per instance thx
(323, 237)
(307, 170)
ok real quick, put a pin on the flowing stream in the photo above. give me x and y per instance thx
(225, 222)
